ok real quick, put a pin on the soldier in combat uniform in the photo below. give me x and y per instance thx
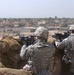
(40, 55)
(68, 46)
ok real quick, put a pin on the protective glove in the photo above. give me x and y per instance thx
(27, 67)
(57, 42)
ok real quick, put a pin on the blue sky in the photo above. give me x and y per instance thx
(36, 8)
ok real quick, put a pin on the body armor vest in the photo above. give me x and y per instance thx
(42, 57)
(69, 50)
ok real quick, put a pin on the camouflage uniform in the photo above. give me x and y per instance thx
(41, 54)
(68, 46)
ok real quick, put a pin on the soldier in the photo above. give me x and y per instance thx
(40, 55)
(68, 46)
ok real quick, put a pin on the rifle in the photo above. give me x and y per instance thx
(27, 40)
(61, 36)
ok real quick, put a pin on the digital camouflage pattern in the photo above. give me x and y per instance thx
(42, 56)
(41, 32)
(41, 53)
(68, 46)
(71, 27)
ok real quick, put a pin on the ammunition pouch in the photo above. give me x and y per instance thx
(65, 59)
(67, 56)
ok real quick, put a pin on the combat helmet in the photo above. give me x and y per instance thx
(71, 27)
(41, 32)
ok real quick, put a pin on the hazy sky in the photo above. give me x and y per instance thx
(36, 8)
